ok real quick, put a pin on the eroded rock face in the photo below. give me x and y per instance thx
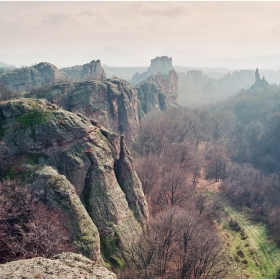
(259, 83)
(130, 183)
(157, 92)
(28, 77)
(112, 102)
(71, 161)
(161, 65)
(88, 71)
(62, 266)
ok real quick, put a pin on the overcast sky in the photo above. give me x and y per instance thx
(131, 33)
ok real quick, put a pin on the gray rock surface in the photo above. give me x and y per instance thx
(88, 71)
(62, 266)
(161, 65)
(130, 183)
(72, 167)
(157, 92)
(259, 83)
(112, 102)
(35, 76)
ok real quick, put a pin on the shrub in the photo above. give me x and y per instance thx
(234, 225)
(29, 228)
(240, 253)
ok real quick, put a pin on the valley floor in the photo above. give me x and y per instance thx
(251, 253)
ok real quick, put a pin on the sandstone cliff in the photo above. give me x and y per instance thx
(29, 77)
(157, 92)
(88, 71)
(112, 102)
(161, 65)
(62, 266)
(70, 162)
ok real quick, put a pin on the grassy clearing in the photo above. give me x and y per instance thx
(251, 253)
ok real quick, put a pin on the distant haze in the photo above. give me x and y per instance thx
(205, 34)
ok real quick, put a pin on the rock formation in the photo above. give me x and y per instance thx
(157, 92)
(130, 183)
(259, 83)
(257, 75)
(112, 102)
(197, 88)
(70, 162)
(35, 76)
(88, 71)
(161, 65)
(62, 266)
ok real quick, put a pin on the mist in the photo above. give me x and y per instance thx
(235, 35)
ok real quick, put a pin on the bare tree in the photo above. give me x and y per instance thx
(199, 248)
(27, 227)
(173, 187)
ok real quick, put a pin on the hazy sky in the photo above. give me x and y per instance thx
(69, 33)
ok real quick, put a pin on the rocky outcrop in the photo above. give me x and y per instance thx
(257, 75)
(130, 183)
(112, 102)
(30, 77)
(196, 88)
(62, 266)
(157, 92)
(161, 65)
(88, 71)
(69, 161)
(259, 83)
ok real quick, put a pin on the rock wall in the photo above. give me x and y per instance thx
(259, 83)
(112, 102)
(161, 65)
(157, 92)
(70, 162)
(29, 77)
(88, 71)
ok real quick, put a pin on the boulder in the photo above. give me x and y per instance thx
(62, 266)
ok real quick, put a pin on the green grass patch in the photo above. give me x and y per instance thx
(31, 119)
(252, 253)
(33, 158)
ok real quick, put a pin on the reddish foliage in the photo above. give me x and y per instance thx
(88, 151)
(28, 228)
